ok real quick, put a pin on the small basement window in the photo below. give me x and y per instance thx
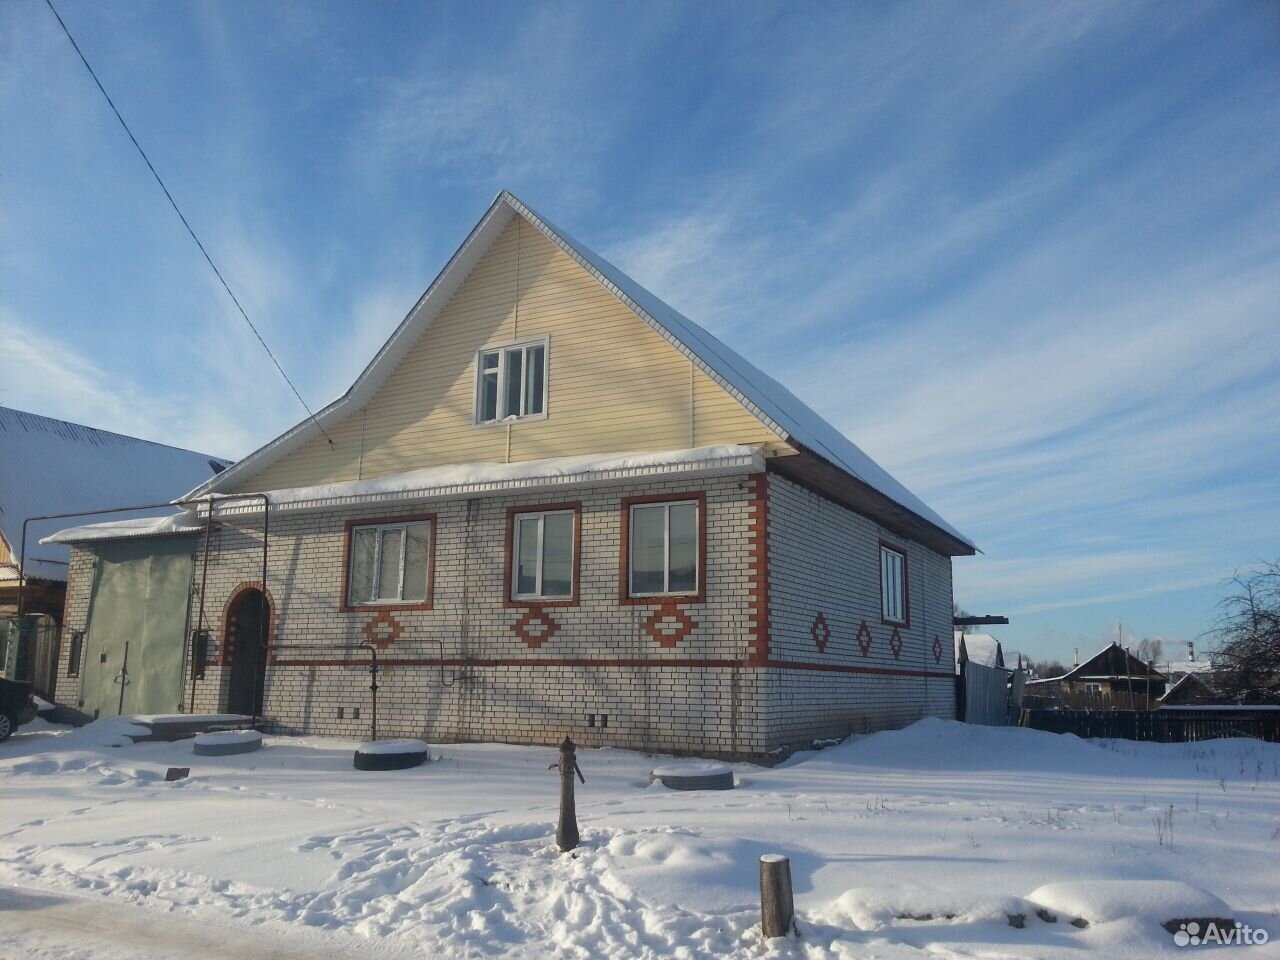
(511, 382)
(390, 562)
(893, 585)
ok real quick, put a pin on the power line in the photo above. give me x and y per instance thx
(173, 203)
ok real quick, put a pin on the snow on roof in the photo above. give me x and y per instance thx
(176, 523)
(461, 479)
(981, 647)
(773, 403)
(52, 466)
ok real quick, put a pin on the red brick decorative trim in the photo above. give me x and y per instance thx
(820, 630)
(383, 629)
(895, 644)
(863, 638)
(624, 561)
(229, 611)
(758, 583)
(937, 649)
(511, 602)
(535, 628)
(654, 623)
(906, 583)
(345, 607)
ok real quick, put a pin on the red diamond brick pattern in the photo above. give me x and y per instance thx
(937, 649)
(535, 628)
(895, 644)
(821, 632)
(669, 625)
(864, 638)
(383, 629)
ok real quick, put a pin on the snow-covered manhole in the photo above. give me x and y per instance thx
(223, 743)
(390, 754)
(694, 775)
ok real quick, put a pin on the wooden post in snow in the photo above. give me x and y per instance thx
(777, 908)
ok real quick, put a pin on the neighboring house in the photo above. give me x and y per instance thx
(1191, 688)
(51, 466)
(1112, 679)
(553, 505)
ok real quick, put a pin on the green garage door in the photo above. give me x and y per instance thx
(137, 626)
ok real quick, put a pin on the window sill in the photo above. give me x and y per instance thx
(526, 602)
(388, 606)
(660, 598)
(512, 421)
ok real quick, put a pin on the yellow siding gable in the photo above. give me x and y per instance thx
(614, 384)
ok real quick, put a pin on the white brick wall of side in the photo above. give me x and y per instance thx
(837, 665)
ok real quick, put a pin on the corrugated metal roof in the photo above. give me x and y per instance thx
(53, 466)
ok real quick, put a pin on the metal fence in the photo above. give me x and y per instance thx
(1161, 726)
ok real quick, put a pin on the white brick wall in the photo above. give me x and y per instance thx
(825, 559)
(459, 672)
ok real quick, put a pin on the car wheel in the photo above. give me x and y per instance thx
(7, 725)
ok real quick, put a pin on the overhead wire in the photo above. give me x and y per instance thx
(176, 209)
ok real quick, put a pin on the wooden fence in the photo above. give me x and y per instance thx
(1162, 726)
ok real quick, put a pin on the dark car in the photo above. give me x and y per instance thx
(17, 706)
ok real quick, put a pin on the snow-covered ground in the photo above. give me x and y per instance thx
(907, 844)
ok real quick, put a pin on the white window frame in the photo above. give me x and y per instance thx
(900, 596)
(666, 548)
(540, 516)
(502, 350)
(380, 529)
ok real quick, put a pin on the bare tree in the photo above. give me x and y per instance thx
(1046, 668)
(959, 611)
(1247, 634)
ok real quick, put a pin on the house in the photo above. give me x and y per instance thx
(1190, 689)
(1112, 679)
(50, 466)
(551, 505)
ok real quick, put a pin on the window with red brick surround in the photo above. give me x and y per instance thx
(509, 599)
(344, 601)
(699, 498)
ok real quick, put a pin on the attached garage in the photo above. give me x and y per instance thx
(135, 644)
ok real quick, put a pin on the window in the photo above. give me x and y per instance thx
(542, 562)
(511, 382)
(893, 585)
(389, 562)
(663, 544)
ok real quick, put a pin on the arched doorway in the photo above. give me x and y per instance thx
(248, 625)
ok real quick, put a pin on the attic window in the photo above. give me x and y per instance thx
(511, 382)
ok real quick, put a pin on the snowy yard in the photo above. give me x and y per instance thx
(290, 852)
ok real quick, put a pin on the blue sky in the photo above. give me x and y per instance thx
(1026, 255)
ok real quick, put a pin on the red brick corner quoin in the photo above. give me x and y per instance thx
(758, 576)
